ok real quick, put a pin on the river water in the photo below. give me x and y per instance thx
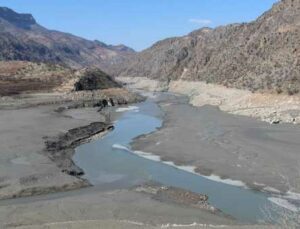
(109, 162)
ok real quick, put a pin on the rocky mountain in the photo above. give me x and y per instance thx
(22, 38)
(261, 55)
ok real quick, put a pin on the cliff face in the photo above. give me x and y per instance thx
(261, 55)
(21, 38)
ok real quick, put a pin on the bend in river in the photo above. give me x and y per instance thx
(109, 162)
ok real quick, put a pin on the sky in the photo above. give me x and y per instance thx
(137, 23)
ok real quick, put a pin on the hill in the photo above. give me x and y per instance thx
(22, 38)
(263, 55)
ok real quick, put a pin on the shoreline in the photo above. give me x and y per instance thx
(186, 168)
(268, 107)
(61, 148)
(278, 198)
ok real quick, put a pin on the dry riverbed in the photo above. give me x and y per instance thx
(37, 143)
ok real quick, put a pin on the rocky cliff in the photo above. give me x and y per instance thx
(262, 55)
(22, 38)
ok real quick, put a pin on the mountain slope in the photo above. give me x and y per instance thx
(261, 55)
(21, 38)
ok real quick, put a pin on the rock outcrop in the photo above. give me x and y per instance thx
(263, 55)
(61, 148)
(95, 80)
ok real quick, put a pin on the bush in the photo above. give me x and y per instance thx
(292, 89)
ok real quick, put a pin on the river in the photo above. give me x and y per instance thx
(109, 162)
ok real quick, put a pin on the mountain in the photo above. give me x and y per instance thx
(22, 38)
(262, 55)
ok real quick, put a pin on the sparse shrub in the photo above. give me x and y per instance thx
(292, 89)
(278, 90)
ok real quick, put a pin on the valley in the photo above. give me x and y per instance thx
(196, 131)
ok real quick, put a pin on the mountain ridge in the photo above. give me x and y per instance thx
(19, 20)
(262, 55)
(22, 38)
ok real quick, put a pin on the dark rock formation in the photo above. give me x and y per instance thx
(61, 148)
(95, 80)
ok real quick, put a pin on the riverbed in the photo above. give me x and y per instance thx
(111, 162)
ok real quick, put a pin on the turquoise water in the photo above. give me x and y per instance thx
(107, 166)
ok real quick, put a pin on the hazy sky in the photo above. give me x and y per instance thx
(137, 23)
